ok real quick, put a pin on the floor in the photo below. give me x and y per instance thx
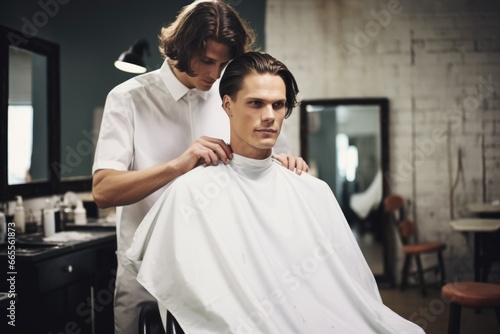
(431, 312)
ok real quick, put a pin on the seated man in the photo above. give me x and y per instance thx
(251, 247)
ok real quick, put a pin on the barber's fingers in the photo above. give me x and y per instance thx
(217, 146)
(207, 157)
(292, 163)
(301, 166)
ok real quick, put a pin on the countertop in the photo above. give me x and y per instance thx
(31, 247)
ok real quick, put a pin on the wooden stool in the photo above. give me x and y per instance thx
(475, 295)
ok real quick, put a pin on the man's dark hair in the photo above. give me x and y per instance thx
(187, 36)
(260, 63)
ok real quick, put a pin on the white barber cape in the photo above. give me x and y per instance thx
(251, 247)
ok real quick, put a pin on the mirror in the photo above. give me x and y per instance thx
(345, 142)
(29, 113)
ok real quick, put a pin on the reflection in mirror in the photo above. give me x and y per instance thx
(343, 142)
(27, 117)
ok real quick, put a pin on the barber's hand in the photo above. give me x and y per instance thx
(291, 162)
(204, 150)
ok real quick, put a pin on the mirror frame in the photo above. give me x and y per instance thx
(387, 276)
(9, 37)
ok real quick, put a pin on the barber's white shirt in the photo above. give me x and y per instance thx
(150, 119)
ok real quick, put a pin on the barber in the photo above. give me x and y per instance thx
(162, 124)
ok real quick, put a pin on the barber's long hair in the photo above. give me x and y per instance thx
(260, 63)
(187, 36)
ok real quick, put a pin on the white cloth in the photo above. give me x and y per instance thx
(251, 247)
(363, 203)
(147, 120)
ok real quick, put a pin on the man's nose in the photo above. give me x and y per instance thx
(215, 72)
(268, 114)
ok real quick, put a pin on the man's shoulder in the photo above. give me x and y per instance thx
(137, 83)
(305, 180)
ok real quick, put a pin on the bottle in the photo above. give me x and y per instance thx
(49, 223)
(19, 219)
(30, 226)
(80, 214)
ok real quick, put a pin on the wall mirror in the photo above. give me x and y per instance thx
(29, 114)
(345, 142)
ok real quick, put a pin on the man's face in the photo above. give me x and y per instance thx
(207, 67)
(256, 115)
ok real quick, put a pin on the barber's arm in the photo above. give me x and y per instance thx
(117, 188)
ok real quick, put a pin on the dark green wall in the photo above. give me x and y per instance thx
(91, 35)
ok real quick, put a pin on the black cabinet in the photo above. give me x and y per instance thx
(66, 290)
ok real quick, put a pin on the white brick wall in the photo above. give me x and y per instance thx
(444, 56)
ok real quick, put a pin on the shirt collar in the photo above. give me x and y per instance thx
(177, 88)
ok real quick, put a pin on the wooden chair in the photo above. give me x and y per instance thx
(394, 206)
(475, 295)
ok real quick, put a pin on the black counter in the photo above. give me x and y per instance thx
(59, 287)
(31, 247)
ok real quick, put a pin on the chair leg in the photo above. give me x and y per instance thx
(454, 319)
(441, 268)
(421, 275)
(404, 273)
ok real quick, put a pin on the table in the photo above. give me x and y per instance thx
(486, 242)
(484, 208)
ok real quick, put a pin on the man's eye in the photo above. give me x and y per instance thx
(206, 61)
(256, 103)
(278, 105)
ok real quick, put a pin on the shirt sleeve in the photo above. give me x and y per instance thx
(115, 146)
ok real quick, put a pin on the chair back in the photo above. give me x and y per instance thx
(394, 205)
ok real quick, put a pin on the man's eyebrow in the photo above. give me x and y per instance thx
(253, 98)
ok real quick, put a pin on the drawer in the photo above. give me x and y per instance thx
(64, 270)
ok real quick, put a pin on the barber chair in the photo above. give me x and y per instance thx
(150, 321)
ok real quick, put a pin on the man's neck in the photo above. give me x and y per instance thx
(252, 153)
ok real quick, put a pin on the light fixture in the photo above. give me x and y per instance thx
(132, 60)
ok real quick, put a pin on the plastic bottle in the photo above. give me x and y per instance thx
(49, 223)
(19, 219)
(80, 214)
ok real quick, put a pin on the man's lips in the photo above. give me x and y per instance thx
(266, 130)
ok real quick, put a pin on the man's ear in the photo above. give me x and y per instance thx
(227, 105)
